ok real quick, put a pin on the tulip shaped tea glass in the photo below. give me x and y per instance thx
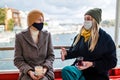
(38, 70)
(80, 61)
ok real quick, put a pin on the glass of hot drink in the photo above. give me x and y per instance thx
(80, 61)
(38, 70)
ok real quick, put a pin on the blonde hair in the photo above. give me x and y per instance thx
(94, 36)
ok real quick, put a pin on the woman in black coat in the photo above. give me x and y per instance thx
(95, 46)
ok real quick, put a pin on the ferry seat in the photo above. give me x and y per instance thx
(114, 74)
(13, 75)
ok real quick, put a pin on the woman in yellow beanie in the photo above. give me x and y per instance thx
(34, 50)
(95, 48)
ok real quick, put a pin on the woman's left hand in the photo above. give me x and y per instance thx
(86, 64)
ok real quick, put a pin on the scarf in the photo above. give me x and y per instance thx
(86, 34)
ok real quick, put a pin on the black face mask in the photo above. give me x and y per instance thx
(39, 26)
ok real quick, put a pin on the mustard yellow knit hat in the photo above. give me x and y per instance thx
(33, 15)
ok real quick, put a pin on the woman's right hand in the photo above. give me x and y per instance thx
(63, 53)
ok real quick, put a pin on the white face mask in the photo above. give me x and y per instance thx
(87, 24)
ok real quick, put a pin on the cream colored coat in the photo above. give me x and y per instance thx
(28, 54)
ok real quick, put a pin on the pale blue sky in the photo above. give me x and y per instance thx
(63, 9)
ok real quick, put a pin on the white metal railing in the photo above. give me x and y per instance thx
(12, 48)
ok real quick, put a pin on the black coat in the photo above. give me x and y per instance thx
(103, 56)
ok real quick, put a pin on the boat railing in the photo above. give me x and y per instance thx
(13, 74)
(55, 47)
(12, 48)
